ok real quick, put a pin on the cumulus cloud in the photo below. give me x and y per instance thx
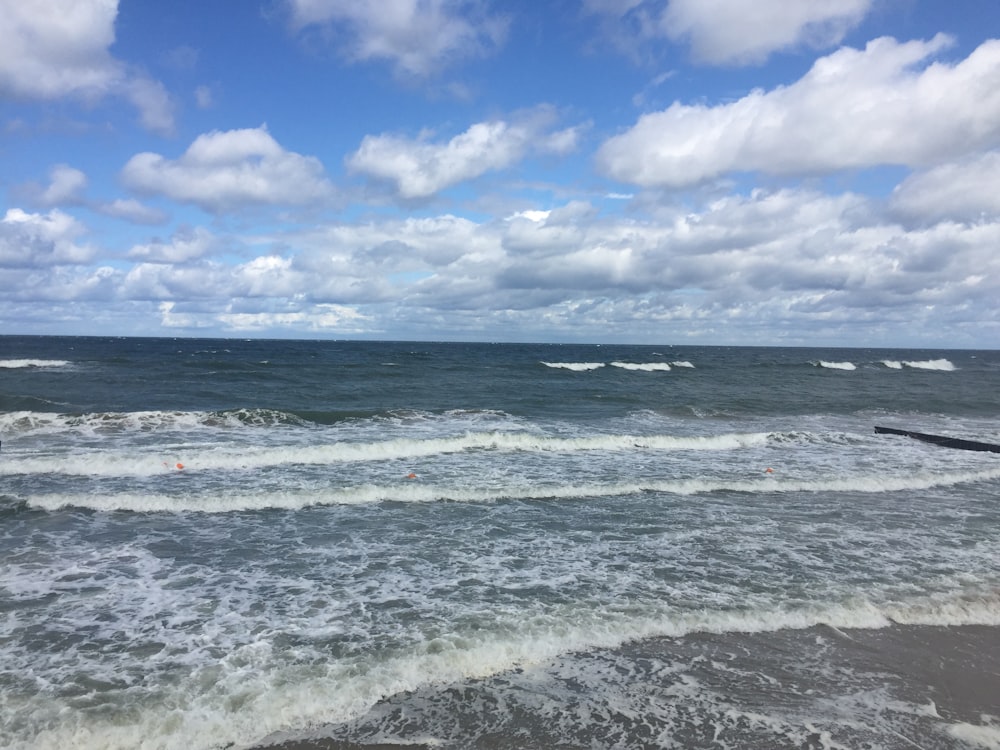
(853, 109)
(156, 108)
(322, 317)
(38, 240)
(732, 32)
(131, 210)
(225, 170)
(964, 191)
(723, 32)
(418, 37)
(795, 261)
(419, 167)
(791, 260)
(57, 48)
(53, 48)
(187, 244)
(66, 186)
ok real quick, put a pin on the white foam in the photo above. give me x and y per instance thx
(892, 364)
(932, 364)
(643, 367)
(21, 363)
(575, 366)
(256, 691)
(222, 677)
(34, 422)
(410, 491)
(137, 461)
(838, 365)
(980, 735)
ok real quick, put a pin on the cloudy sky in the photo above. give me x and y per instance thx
(772, 172)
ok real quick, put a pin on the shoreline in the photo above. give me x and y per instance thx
(936, 686)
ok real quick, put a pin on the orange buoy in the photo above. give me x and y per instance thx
(411, 475)
(180, 465)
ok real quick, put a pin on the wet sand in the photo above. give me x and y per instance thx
(895, 687)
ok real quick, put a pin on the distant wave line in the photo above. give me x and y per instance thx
(27, 422)
(930, 364)
(119, 463)
(941, 365)
(636, 366)
(407, 491)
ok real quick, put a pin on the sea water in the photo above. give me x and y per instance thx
(217, 543)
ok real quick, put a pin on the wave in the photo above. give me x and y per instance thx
(248, 704)
(932, 364)
(635, 366)
(575, 366)
(41, 422)
(410, 491)
(141, 462)
(31, 422)
(645, 367)
(21, 363)
(941, 365)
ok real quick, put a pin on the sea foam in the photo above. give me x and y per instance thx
(415, 491)
(575, 366)
(14, 364)
(837, 365)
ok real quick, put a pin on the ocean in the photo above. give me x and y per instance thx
(333, 544)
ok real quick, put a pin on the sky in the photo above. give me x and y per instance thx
(730, 172)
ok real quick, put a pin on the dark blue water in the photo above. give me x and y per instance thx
(347, 378)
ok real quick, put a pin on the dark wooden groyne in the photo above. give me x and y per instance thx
(944, 442)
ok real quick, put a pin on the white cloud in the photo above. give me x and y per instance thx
(156, 109)
(322, 317)
(186, 245)
(131, 210)
(52, 48)
(417, 37)
(420, 168)
(56, 48)
(731, 32)
(225, 170)
(66, 186)
(965, 191)
(747, 31)
(37, 240)
(854, 108)
(812, 266)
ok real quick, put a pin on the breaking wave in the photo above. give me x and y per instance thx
(407, 491)
(13, 364)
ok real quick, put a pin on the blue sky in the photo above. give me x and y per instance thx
(767, 172)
